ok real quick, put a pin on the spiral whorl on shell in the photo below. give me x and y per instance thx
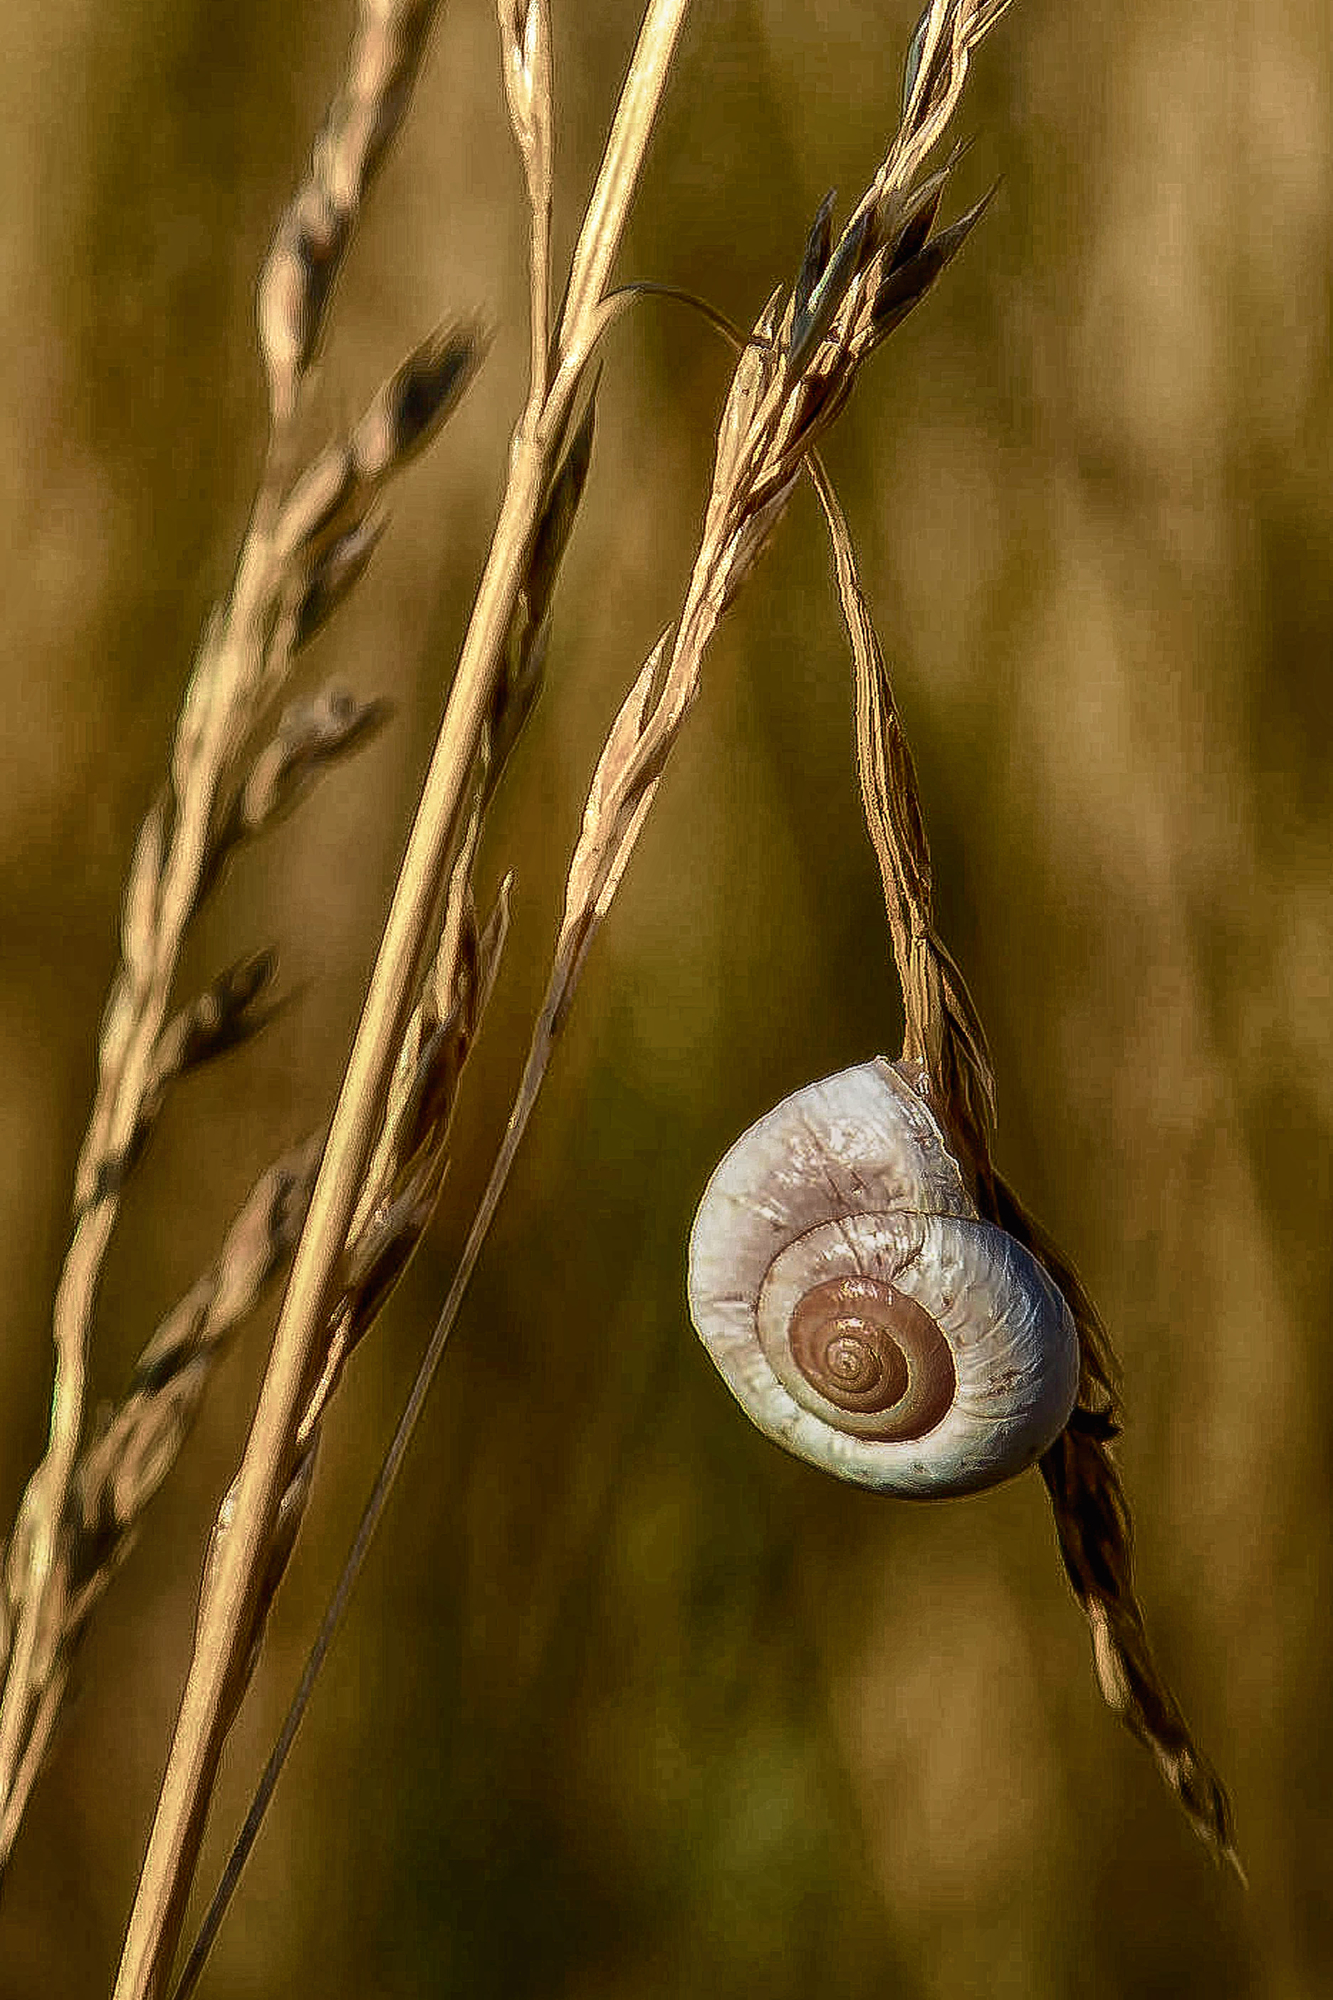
(860, 1311)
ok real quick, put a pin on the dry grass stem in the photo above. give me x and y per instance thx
(385, 1228)
(944, 1038)
(228, 1614)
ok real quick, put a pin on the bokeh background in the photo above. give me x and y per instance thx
(628, 1704)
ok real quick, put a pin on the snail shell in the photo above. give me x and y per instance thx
(860, 1311)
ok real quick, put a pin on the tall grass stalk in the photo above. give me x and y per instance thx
(228, 1610)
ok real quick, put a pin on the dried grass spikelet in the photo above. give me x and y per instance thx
(310, 536)
(310, 737)
(136, 1444)
(943, 1034)
(794, 374)
(313, 238)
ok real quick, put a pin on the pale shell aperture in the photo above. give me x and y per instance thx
(860, 1311)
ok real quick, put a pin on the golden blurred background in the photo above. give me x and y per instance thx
(628, 1704)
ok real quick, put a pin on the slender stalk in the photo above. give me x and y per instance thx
(227, 1611)
(608, 211)
(539, 257)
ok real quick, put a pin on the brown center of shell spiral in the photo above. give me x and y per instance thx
(869, 1349)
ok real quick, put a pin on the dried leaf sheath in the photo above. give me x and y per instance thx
(943, 1032)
